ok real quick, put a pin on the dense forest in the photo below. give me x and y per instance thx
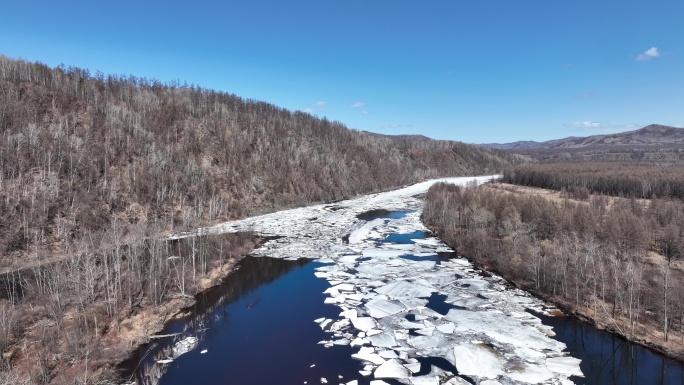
(617, 179)
(96, 168)
(616, 261)
(79, 150)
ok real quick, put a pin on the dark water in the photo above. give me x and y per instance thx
(610, 360)
(377, 214)
(405, 239)
(258, 329)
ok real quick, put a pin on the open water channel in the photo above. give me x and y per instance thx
(290, 320)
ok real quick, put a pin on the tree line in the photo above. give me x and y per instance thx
(95, 169)
(614, 260)
(79, 149)
(617, 179)
(70, 313)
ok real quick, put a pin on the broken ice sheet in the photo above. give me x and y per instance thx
(363, 323)
(425, 380)
(401, 289)
(530, 355)
(447, 328)
(368, 354)
(530, 374)
(384, 254)
(476, 283)
(503, 328)
(381, 308)
(427, 241)
(414, 367)
(383, 340)
(568, 366)
(377, 287)
(392, 369)
(478, 360)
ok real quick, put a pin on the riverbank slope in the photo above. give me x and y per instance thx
(556, 248)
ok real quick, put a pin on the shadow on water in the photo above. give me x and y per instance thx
(426, 364)
(438, 258)
(437, 303)
(380, 213)
(611, 360)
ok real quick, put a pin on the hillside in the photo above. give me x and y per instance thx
(97, 169)
(654, 144)
(80, 150)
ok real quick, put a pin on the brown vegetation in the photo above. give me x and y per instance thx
(615, 179)
(615, 261)
(95, 169)
(78, 151)
(72, 320)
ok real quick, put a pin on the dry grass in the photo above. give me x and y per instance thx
(554, 195)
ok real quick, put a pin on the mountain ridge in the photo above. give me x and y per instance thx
(651, 135)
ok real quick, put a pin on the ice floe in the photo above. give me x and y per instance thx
(478, 360)
(183, 346)
(402, 302)
(392, 369)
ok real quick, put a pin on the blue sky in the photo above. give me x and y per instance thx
(478, 71)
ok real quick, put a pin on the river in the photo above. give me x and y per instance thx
(354, 292)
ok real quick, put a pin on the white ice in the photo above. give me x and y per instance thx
(378, 308)
(376, 289)
(402, 289)
(392, 369)
(568, 366)
(363, 323)
(183, 346)
(530, 374)
(478, 360)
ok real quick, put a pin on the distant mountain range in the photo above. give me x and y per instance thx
(652, 144)
(652, 135)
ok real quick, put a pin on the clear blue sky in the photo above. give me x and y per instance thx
(471, 70)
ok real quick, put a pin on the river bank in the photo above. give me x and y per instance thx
(647, 335)
(400, 302)
(71, 319)
(89, 319)
(394, 299)
(493, 236)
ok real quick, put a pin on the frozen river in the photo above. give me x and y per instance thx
(374, 302)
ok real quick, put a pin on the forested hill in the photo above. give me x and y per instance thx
(79, 151)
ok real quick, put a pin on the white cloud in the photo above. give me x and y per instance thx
(365, 112)
(602, 126)
(648, 54)
(309, 110)
(586, 125)
(319, 103)
(396, 126)
(357, 105)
